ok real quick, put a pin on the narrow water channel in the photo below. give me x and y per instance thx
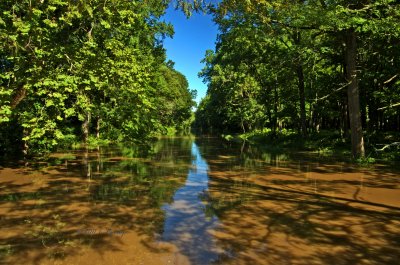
(186, 224)
(197, 201)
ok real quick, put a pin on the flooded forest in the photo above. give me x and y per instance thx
(197, 201)
(109, 154)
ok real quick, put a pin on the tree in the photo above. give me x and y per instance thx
(317, 42)
(65, 65)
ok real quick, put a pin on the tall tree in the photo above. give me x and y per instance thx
(65, 65)
(320, 40)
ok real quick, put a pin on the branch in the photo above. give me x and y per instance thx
(293, 27)
(70, 61)
(387, 146)
(390, 106)
(312, 27)
(334, 91)
(391, 79)
(18, 97)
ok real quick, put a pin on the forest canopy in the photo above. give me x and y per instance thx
(72, 70)
(304, 65)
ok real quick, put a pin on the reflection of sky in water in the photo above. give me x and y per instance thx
(186, 224)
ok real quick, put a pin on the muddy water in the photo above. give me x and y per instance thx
(186, 201)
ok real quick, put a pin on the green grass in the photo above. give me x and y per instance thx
(323, 143)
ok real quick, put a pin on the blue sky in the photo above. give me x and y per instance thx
(187, 48)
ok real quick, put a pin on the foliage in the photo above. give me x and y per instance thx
(68, 68)
(287, 64)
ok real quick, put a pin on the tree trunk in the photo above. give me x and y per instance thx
(357, 141)
(18, 96)
(25, 146)
(242, 125)
(275, 121)
(300, 76)
(98, 127)
(344, 124)
(85, 127)
(372, 115)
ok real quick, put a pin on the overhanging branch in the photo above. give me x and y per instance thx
(390, 106)
(334, 91)
(391, 79)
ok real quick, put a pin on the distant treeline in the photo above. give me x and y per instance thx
(305, 65)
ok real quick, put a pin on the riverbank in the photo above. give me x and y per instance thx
(379, 147)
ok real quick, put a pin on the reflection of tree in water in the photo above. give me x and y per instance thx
(145, 178)
(240, 154)
(261, 216)
(279, 224)
(120, 188)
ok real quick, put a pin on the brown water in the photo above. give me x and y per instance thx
(186, 201)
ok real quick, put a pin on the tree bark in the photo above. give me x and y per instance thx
(98, 127)
(300, 76)
(18, 96)
(344, 120)
(357, 141)
(25, 146)
(85, 127)
(275, 121)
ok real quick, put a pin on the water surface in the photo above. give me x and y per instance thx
(203, 201)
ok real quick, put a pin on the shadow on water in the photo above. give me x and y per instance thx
(94, 202)
(203, 202)
(275, 210)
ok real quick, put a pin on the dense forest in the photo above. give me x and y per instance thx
(304, 66)
(75, 70)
